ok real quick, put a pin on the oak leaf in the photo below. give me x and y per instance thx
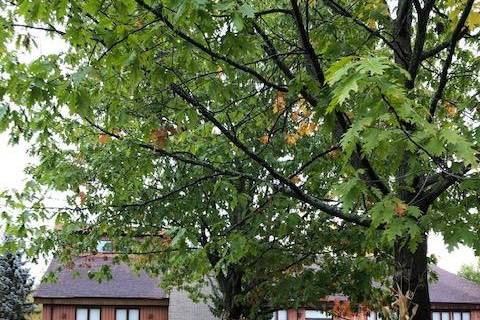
(295, 179)
(264, 139)
(451, 109)
(334, 154)
(400, 208)
(279, 102)
(103, 138)
(306, 128)
(83, 197)
(159, 137)
(292, 138)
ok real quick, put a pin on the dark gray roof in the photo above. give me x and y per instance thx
(451, 288)
(124, 282)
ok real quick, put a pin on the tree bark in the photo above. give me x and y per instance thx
(231, 289)
(411, 277)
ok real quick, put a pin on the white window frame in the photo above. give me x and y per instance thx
(88, 311)
(323, 315)
(449, 314)
(128, 312)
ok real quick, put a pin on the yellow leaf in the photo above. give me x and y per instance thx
(451, 109)
(279, 102)
(292, 139)
(372, 23)
(304, 110)
(334, 154)
(295, 179)
(473, 20)
(400, 208)
(295, 116)
(264, 139)
(306, 128)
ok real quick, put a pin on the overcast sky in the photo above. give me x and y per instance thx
(13, 160)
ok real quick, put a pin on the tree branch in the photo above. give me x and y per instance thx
(448, 61)
(310, 52)
(344, 12)
(290, 188)
(177, 156)
(158, 13)
(442, 46)
(50, 29)
(423, 18)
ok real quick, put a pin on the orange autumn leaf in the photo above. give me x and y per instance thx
(295, 179)
(334, 154)
(219, 72)
(451, 109)
(304, 110)
(306, 128)
(295, 116)
(159, 137)
(103, 138)
(400, 208)
(139, 23)
(292, 138)
(83, 197)
(264, 139)
(279, 102)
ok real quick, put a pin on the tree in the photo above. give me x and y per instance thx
(363, 117)
(15, 288)
(469, 272)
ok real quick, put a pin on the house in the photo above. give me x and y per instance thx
(127, 296)
(131, 296)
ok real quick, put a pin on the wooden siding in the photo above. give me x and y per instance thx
(67, 312)
(46, 312)
(154, 313)
(475, 315)
(52, 312)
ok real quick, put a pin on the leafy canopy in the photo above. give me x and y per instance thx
(242, 138)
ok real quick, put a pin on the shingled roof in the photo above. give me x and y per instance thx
(124, 282)
(451, 288)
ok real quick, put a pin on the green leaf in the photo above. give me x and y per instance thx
(247, 10)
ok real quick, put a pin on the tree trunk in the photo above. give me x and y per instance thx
(231, 289)
(411, 277)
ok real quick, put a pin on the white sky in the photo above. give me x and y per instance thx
(13, 160)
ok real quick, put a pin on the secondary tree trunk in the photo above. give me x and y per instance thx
(412, 278)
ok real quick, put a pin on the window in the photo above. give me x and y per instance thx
(87, 314)
(104, 246)
(450, 315)
(373, 316)
(280, 315)
(127, 314)
(316, 315)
